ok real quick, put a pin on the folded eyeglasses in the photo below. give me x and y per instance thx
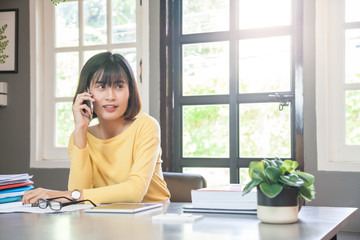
(57, 205)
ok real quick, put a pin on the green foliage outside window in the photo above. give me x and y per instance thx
(56, 2)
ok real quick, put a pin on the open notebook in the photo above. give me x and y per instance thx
(123, 208)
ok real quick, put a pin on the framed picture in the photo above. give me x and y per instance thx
(8, 40)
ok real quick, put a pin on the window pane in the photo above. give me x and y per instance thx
(352, 8)
(67, 73)
(206, 131)
(67, 24)
(264, 65)
(213, 176)
(205, 16)
(206, 68)
(95, 22)
(244, 177)
(130, 55)
(352, 56)
(264, 130)
(64, 123)
(123, 21)
(352, 99)
(264, 13)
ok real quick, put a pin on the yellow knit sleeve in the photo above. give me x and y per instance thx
(80, 176)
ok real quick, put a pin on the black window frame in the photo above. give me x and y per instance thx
(171, 99)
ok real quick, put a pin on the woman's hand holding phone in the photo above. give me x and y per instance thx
(82, 116)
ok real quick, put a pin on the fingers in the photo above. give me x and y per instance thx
(80, 98)
(32, 196)
(84, 96)
(82, 112)
(85, 108)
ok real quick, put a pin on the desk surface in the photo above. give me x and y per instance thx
(314, 223)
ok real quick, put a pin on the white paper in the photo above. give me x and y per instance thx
(18, 207)
(11, 194)
(8, 179)
(14, 176)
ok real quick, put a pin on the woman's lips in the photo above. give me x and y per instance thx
(110, 108)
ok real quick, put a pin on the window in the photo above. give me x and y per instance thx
(63, 38)
(338, 85)
(237, 85)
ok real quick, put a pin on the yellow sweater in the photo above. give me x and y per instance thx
(125, 168)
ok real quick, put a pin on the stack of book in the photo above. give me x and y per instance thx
(223, 199)
(13, 186)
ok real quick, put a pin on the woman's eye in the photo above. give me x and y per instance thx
(101, 86)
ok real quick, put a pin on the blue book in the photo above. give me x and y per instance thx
(10, 199)
(18, 189)
(13, 192)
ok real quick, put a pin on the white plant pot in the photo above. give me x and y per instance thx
(282, 209)
(268, 214)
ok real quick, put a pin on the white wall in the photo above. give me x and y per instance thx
(336, 189)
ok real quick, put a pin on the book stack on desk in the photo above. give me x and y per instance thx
(13, 186)
(223, 199)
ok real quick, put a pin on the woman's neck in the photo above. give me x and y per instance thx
(110, 129)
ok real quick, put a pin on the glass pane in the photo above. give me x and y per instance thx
(206, 131)
(130, 55)
(200, 16)
(67, 24)
(213, 176)
(352, 8)
(206, 68)
(264, 13)
(352, 56)
(352, 99)
(244, 177)
(64, 123)
(67, 73)
(95, 22)
(94, 122)
(123, 21)
(264, 130)
(264, 65)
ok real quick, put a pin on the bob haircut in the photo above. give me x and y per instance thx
(108, 68)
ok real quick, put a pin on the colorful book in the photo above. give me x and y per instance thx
(13, 192)
(8, 179)
(16, 185)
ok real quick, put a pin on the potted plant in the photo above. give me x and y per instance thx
(279, 188)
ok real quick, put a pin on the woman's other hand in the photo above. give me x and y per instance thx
(32, 196)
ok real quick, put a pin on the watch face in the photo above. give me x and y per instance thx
(75, 194)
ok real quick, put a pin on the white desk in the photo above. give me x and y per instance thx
(314, 223)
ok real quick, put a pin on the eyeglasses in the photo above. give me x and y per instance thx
(56, 205)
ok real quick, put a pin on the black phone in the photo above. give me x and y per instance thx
(89, 104)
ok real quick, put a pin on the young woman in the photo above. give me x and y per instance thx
(118, 160)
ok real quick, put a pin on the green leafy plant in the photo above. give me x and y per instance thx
(272, 176)
(56, 2)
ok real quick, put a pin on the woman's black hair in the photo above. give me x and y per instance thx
(109, 68)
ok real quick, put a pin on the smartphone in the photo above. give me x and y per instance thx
(90, 105)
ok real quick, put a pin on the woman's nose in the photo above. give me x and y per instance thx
(109, 93)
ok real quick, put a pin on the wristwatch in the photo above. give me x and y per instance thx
(75, 195)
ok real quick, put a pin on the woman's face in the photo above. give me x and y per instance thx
(110, 101)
